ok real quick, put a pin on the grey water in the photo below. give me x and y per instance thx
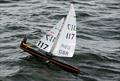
(97, 52)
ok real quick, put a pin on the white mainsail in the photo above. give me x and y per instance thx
(46, 42)
(66, 42)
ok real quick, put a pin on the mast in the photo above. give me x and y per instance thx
(54, 45)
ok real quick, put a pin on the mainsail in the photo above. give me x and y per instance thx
(67, 39)
(47, 41)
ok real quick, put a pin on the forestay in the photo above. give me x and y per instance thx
(47, 41)
(66, 42)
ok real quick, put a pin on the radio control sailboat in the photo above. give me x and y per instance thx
(60, 41)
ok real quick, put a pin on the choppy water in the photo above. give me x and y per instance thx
(98, 39)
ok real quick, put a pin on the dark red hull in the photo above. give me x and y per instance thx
(43, 57)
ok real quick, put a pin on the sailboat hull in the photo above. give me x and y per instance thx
(27, 48)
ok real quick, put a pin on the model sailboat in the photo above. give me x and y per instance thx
(60, 41)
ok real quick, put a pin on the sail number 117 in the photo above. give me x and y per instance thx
(42, 45)
(70, 35)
